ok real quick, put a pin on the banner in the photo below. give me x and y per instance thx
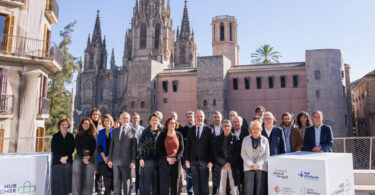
(26, 173)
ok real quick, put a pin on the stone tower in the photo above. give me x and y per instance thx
(95, 52)
(326, 88)
(185, 51)
(224, 38)
(151, 36)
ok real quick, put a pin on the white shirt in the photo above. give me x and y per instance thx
(138, 131)
(122, 130)
(268, 131)
(200, 129)
(237, 133)
(318, 131)
(217, 130)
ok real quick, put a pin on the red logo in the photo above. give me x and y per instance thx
(277, 189)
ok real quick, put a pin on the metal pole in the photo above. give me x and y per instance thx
(370, 153)
(344, 145)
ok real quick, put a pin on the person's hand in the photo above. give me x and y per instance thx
(63, 159)
(254, 166)
(142, 163)
(105, 160)
(110, 165)
(132, 165)
(316, 149)
(85, 161)
(187, 164)
(227, 165)
(171, 161)
(209, 165)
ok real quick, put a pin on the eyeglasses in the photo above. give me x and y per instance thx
(268, 118)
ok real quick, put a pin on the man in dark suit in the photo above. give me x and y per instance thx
(122, 155)
(274, 135)
(216, 128)
(184, 131)
(199, 153)
(319, 137)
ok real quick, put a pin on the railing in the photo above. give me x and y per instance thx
(362, 148)
(29, 144)
(25, 46)
(6, 104)
(44, 108)
(53, 7)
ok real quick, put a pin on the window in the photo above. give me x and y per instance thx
(91, 61)
(295, 81)
(247, 82)
(143, 40)
(157, 35)
(165, 100)
(165, 86)
(142, 104)
(46, 41)
(342, 74)
(235, 83)
(182, 55)
(282, 82)
(6, 32)
(205, 103)
(270, 82)
(317, 94)
(222, 32)
(154, 84)
(230, 32)
(343, 91)
(175, 86)
(214, 102)
(259, 82)
(317, 74)
(154, 99)
(132, 104)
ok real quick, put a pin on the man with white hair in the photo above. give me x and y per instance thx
(274, 135)
(199, 154)
(319, 137)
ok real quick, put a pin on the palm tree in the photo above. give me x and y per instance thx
(265, 55)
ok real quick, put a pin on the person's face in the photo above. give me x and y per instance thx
(226, 128)
(317, 119)
(86, 125)
(231, 115)
(154, 122)
(135, 119)
(117, 124)
(236, 124)
(64, 126)
(124, 118)
(260, 112)
(255, 131)
(95, 116)
(190, 118)
(107, 123)
(287, 120)
(268, 120)
(171, 125)
(217, 119)
(303, 119)
(174, 116)
(199, 118)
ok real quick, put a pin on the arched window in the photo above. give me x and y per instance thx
(157, 36)
(91, 61)
(230, 32)
(222, 32)
(182, 55)
(143, 40)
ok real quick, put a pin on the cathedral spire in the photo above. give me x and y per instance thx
(185, 24)
(177, 33)
(88, 41)
(97, 35)
(113, 58)
(168, 10)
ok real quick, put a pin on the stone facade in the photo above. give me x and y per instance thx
(27, 57)
(364, 105)
(162, 72)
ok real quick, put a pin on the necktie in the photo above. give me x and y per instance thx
(122, 135)
(198, 132)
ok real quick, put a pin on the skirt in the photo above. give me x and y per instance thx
(61, 182)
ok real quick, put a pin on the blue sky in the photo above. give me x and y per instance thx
(290, 26)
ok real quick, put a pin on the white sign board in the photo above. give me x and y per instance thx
(311, 173)
(27, 173)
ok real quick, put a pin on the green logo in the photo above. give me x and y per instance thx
(26, 188)
(348, 186)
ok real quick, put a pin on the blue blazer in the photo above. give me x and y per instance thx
(326, 138)
(276, 141)
(102, 142)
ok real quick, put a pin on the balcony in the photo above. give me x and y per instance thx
(24, 51)
(52, 11)
(6, 106)
(12, 3)
(43, 108)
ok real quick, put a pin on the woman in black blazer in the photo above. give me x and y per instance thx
(170, 148)
(62, 146)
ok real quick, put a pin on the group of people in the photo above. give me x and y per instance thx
(236, 152)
